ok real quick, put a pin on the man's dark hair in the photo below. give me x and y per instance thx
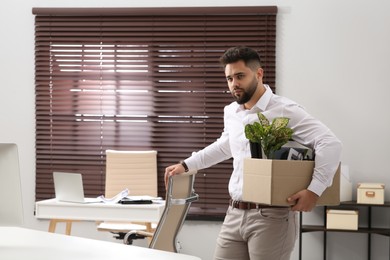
(250, 57)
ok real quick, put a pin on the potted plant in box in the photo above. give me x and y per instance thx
(267, 137)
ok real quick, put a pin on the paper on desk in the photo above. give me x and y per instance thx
(116, 198)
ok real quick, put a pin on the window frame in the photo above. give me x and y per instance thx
(199, 87)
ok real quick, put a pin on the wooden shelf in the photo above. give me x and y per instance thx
(314, 228)
(355, 204)
(369, 230)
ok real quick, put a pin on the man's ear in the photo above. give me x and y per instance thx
(259, 73)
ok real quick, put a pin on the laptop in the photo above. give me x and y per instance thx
(69, 188)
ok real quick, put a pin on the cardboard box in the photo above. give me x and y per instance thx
(371, 193)
(273, 181)
(346, 188)
(342, 219)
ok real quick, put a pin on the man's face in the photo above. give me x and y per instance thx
(242, 81)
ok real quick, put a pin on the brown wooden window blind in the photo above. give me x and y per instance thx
(138, 79)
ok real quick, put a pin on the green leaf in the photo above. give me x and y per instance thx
(280, 122)
(263, 120)
(253, 132)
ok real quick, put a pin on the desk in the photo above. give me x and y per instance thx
(20, 243)
(67, 212)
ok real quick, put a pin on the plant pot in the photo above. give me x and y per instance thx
(256, 150)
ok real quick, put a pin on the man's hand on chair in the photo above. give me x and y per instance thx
(173, 170)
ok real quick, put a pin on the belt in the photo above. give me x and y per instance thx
(237, 204)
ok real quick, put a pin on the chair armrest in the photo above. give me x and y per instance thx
(193, 198)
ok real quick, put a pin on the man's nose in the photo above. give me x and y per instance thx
(235, 83)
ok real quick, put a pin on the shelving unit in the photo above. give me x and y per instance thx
(369, 230)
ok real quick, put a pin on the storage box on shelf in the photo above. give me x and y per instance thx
(342, 219)
(371, 193)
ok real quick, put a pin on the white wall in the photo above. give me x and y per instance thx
(332, 57)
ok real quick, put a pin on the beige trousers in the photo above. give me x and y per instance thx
(257, 234)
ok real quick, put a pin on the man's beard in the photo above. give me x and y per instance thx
(246, 95)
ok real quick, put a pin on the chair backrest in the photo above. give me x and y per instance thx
(180, 195)
(135, 170)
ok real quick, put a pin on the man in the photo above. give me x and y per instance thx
(253, 231)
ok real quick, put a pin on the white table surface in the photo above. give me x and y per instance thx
(20, 243)
(68, 212)
(53, 209)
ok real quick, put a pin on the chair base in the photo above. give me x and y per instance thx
(129, 240)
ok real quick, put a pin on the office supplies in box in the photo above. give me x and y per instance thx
(342, 219)
(371, 193)
(273, 181)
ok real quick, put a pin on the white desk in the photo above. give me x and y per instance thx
(20, 243)
(68, 212)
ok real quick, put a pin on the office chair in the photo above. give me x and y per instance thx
(136, 171)
(180, 194)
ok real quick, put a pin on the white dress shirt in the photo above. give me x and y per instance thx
(307, 131)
